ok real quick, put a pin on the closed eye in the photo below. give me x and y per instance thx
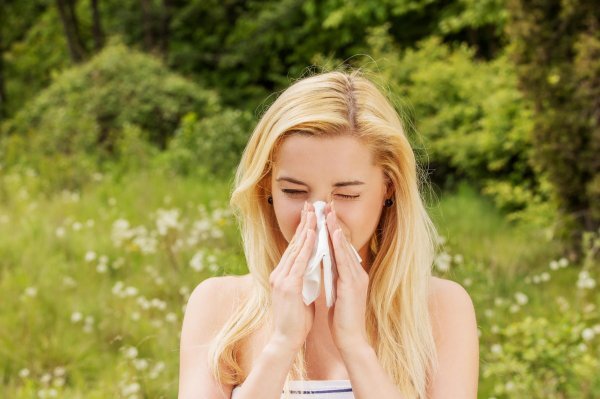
(292, 193)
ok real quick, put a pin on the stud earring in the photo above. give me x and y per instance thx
(270, 200)
(389, 202)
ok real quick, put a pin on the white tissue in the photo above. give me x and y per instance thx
(321, 254)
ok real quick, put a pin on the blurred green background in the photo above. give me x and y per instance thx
(122, 123)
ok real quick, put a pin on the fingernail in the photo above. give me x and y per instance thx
(304, 209)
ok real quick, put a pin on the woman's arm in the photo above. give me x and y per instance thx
(455, 332)
(208, 308)
(205, 313)
(267, 377)
(457, 341)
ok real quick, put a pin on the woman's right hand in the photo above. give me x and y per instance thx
(292, 319)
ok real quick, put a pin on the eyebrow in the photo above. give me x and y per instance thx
(338, 184)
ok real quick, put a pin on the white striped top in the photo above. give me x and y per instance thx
(316, 389)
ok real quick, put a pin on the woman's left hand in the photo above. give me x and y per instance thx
(348, 314)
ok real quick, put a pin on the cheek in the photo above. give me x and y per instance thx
(358, 222)
(288, 215)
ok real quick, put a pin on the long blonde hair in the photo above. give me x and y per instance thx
(402, 249)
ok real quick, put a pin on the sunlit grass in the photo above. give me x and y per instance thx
(94, 285)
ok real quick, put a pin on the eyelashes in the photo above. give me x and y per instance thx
(292, 193)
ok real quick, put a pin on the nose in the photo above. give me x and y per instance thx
(328, 201)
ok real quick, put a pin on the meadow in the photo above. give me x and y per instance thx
(95, 283)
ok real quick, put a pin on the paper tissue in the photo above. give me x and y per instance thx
(322, 254)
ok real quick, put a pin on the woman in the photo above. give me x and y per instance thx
(394, 331)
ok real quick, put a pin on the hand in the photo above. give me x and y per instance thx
(347, 318)
(292, 318)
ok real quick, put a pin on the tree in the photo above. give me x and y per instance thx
(97, 26)
(556, 47)
(68, 16)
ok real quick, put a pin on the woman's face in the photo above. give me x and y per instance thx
(325, 169)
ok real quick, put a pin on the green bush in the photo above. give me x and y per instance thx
(210, 147)
(466, 118)
(542, 359)
(86, 105)
(85, 112)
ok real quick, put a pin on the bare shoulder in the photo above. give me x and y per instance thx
(455, 332)
(447, 292)
(209, 307)
(450, 305)
(215, 298)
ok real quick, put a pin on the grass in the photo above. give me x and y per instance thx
(94, 286)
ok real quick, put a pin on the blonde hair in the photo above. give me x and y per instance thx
(402, 248)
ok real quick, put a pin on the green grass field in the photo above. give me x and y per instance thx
(94, 285)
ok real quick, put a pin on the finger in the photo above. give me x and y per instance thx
(300, 225)
(298, 248)
(292, 246)
(341, 259)
(301, 261)
(353, 263)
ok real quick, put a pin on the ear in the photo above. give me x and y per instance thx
(389, 186)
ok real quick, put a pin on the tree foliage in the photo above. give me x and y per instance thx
(556, 47)
(85, 110)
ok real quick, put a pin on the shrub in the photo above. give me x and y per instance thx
(466, 118)
(86, 110)
(211, 146)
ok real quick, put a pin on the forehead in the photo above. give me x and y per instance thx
(337, 157)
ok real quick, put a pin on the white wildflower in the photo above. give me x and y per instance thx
(31, 291)
(157, 369)
(120, 232)
(442, 262)
(196, 262)
(90, 256)
(130, 352)
(60, 232)
(45, 378)
(76, 317)
(143, 302)
(118, 288)
(130, 389)
(588, 334)
(101, 268)
(585, 281)
(171, 317)
(167, 219)
(131, 291)
(521, 298)
(140, 364)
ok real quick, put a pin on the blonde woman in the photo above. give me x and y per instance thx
(394, 330)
